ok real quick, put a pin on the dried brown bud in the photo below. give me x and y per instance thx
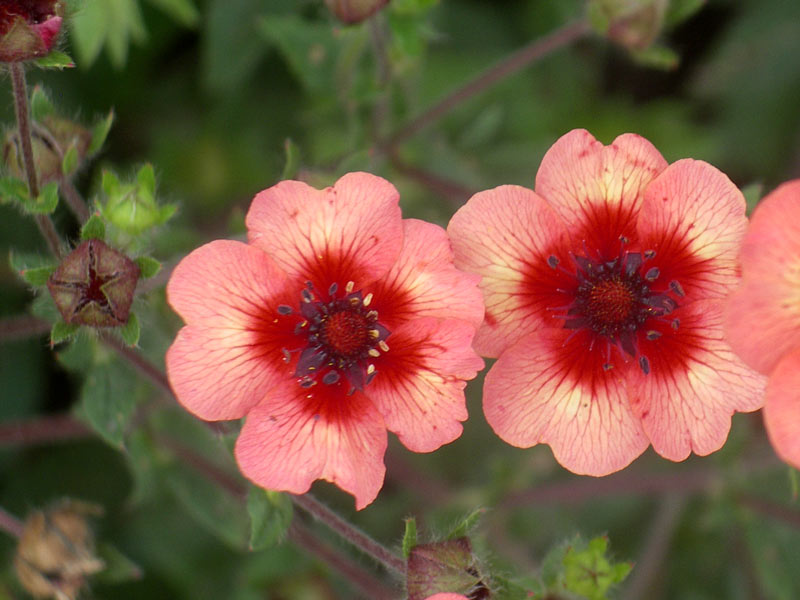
(56, 551)
(448, 566)
(354, 11)
(51, 138)
(94, 285)
(28, 28)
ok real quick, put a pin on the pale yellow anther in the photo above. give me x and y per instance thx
(374, 333)
(383, 346)
(368, 299)
(373, 314)
(374, 353)
(349, 287)
(370, 369)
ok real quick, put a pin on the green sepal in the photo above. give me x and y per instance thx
(55, 60)
(93, 229)
(33, 268)
(463, 527)
(131, 330)
(45, 203)
(680, 10)
(110, 183)
(148, 266)
(41, 105)
(61, 332)
(70, 161)
(100, 133)
(37, 276)
(146, 178)
(409, 536)
(657, 57)
(13, 190)
(270, 516)
(118, 567)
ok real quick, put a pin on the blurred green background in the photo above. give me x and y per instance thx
(213, 92)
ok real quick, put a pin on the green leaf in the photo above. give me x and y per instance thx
(209, 504)
(165, 213)
(131, 330)
(680, 10)
(100, 133)
(70, 161)
(109, 23)
(13, 190)
(463, 527)
(409, 536)
(108, 400)
(44, 308)
(41, 105)
(752, 195)
(61, 332)
(146, 178)
(38, 276)
(23, 261)
(657, 57)
(118, 567)
(93, 229)
(270, 515)
(794, 482)
(589, 572)
(46, 203)
(148, 266)
(55, 60)
(183, 11)
(292, 159)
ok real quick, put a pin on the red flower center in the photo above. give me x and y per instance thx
(341, 336)
(32, 11)
(614, 301)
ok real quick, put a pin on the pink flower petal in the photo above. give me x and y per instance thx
(596, 188)
(782, 409)
(446, 596)
(424, 281)
(419, 384)
(695, 384)
(229, 356)
(506, 235)
(297, 436)
(545, 389)
(349, 232)
(694, 218)
(763, 318)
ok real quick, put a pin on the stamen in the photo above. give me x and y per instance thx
(649, 254)
(349, 287)
(623, 239)
(332, 290)
(644, 364)
(373, 353)
(383, 346)
(652, 274)
(553, 261)
(355, 301)
(676, 323)
(607, 367)
(677, 288)
(306, 383)
(283, 309)
(374, 334)
(370, 369)
(330, 377)
(287, 356)
(373, 314)
(307, 297)
(367, 299)
(653, 335)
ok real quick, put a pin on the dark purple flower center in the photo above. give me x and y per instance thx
(342, 335)
(32, 11)
(614, 300)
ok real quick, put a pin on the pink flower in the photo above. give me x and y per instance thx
(763, 316)
(28, 28)
(604, 292)
(337, 321)
(447, 596)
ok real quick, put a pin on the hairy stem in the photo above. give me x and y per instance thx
(349, 532)
(74, 200)
(20, 90)
(139, 362)
(47, 429)
(514, 62)
(21, 327)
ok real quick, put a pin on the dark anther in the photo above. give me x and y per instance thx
(676, 323)
(553, 261)
(307, 297)
(284, 309)
(333, 289)
(649, 254)
(676, 288)
(652, 274)
(653, 335)
(644, 364)
(306, 383)
(330, 377)
(607, 367)
(623, 239)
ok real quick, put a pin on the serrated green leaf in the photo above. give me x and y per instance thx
(110, 23)
(41, 105)
(131, 330)
(13, 190)
(409, 536)
(108, 400)
(46, 203)
(183, 11)
(70, 161)
(93, 229)
(61, 332)
(37, 276)
(209, 504)
(118, 567)
(680, 10)
(463, 527)
(148, 266)
(292, 153)
(21, 261)
(100, 133)
(146, 178)
(270, 515)
(55, 60)
(588, 571)
(110, 183)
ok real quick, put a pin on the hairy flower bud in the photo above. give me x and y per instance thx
(28, 28)
(94, 285)
(56, 551)
(448, 566)
(633, 24)
(51, 138)
(354, 11)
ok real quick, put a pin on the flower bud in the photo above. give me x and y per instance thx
(132, 207)
(51, 138)
(447, 566)
(633, 24)
(56, 551)
(94, 285)
(354, 11)
(28, 28)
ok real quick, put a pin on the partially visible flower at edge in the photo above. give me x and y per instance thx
(763, 315)
(604, 291)
(29, 28)
(447, 596)
(337, 321)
